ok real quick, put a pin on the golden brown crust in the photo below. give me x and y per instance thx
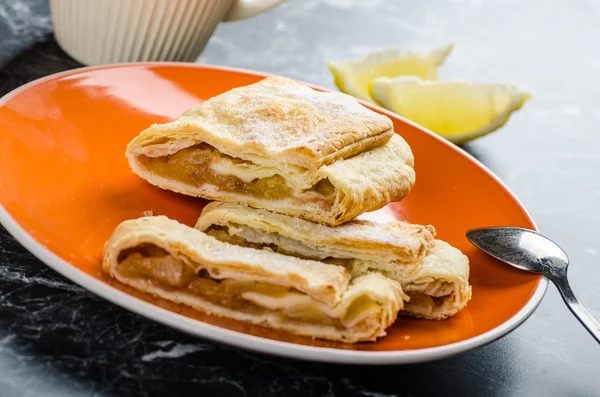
(399, 242)
(368, 181)
(276, 118)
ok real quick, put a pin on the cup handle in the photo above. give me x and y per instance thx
(242, 9)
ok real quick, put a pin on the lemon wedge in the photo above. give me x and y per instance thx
(354, 77)
(459, 111)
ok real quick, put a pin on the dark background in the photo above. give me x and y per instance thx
(56, 339)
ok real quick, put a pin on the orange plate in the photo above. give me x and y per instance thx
(65, 185)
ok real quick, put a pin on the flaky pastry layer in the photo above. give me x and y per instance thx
(432, 273)
(181, 264)
(276, 120)
(398, 242)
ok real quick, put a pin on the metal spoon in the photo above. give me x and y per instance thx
(530, 251)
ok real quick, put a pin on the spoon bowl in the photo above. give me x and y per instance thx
(521, 248)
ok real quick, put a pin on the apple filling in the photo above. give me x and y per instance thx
(202, 164)
(155, 265)
(429, 297)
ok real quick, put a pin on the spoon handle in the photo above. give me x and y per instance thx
(578, 310)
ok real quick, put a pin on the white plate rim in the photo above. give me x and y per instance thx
(239, 339)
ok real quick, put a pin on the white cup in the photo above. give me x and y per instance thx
(96, 32)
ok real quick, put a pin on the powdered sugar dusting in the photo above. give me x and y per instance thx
(278, 114)
(400, 239)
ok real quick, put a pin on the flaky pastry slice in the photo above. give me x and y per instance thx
(181, 264)
(281, 146)
(440, 288)
(432, 273)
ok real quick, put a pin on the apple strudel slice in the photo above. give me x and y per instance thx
(181, 264)
(432, 273)
(281, 146)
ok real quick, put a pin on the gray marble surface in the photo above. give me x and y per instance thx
(56, 339)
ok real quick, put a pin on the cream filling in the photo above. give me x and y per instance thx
(297, 305)
(247, 172)
(156, 266)
(286, 244)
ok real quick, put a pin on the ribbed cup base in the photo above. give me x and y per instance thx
(96, 32)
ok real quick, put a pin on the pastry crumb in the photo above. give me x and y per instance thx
(149, 213)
